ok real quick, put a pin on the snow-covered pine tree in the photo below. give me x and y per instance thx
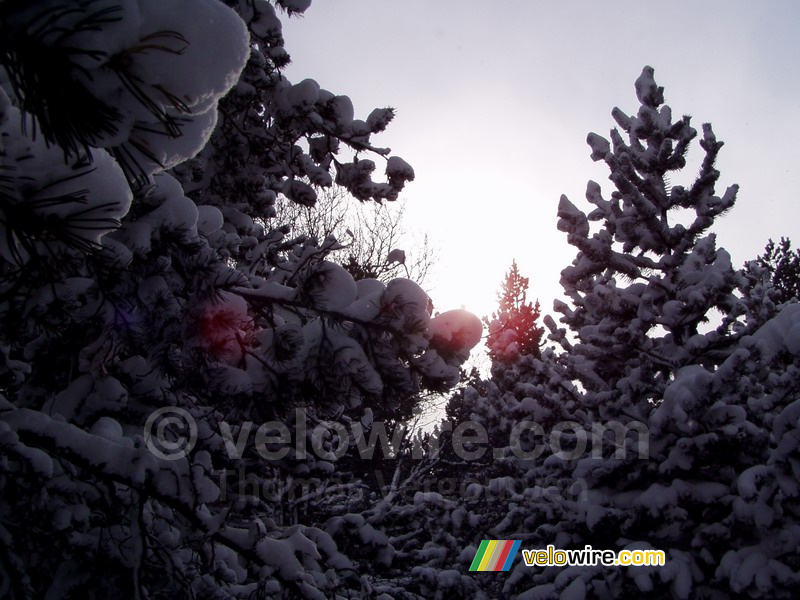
(124, 289)
(782, 264)
(650, 427)
(513, 329)
(645, 282)
(687, 425)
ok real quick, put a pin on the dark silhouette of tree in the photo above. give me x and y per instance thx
(140, 276)
(372, 238)
(639, 428)
(513, 329)
(782, 263)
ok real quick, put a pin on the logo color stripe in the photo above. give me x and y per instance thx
(501, 560)
(512, 553)
(479, 555)
(487, 555)
(495, 555)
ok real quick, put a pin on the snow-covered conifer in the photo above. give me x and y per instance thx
(513, 329)
(142, 145)
(666, 416)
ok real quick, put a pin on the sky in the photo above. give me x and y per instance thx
(494, 102)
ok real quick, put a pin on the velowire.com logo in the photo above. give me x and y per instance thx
(495, 555)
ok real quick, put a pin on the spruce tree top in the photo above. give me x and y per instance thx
(649, 273)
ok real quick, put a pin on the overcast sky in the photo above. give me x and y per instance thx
(494, 101)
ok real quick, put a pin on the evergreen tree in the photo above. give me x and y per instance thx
(648, 429)
(712, 403)
(139, 159)
(140, 162)
(513, 329)
(782, 264)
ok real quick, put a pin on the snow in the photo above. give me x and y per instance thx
(690, 386)
(574, 591)
(787, 421)
(176, 213)
(600, 146)
(301, 95)
(205, 309)
(456, 330)
(299, 192)
(202, 67)
(108, 428)
(167, 151)
(330, 287)
(163, 66)
(222, 327)
(396, 256)
(342, 109)
(379, 118)
(88, 206)
(295, 6)
(209, 219)
(403, 296)
(352, 360)
(781, 333)
(399, 170)
(261, 19)
(267, 290)
(370, 288)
